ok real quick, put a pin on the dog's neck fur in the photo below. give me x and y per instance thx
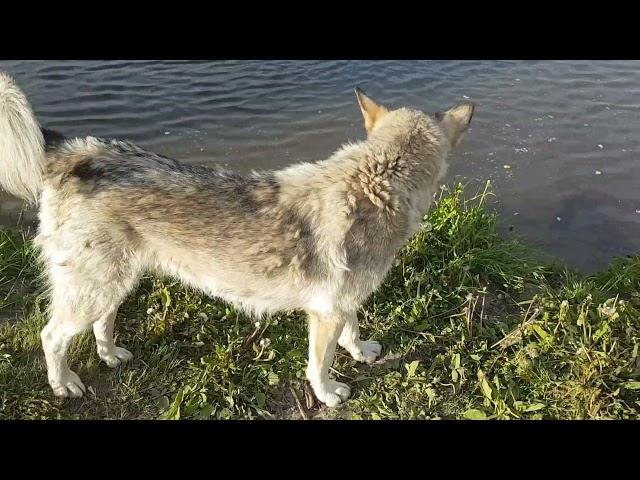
(395, 162)
(389, 179)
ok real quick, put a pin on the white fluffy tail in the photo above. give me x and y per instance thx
(22, 153)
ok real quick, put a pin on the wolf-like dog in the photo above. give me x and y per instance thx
(318, 237)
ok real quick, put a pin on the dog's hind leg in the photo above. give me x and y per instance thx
(361, 350)
(56, 337)
(111, 354)
(324, 331)
(87, 287)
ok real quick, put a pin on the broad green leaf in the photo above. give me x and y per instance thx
(534, 407)
(631, 385)
(206, 411)
(165, 297)
(484, 385)
(174, 411)
(274, 379)
(474, 414)
(412, 367)
(422, 326)
(456, 361)
(541, 332)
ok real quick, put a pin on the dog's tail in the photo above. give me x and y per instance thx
(22, 154)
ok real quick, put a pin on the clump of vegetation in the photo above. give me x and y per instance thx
(473, 325)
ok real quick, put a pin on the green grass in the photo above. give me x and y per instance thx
(473, 325)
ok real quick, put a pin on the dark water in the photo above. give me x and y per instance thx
(568, 130)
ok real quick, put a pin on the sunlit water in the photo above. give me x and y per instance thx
(558, 139)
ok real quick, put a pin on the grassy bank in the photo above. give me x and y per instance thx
(472, 326)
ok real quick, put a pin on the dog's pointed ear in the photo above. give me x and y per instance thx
(455, 121)
(371, 111)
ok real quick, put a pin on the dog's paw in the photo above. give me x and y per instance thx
(115, 357)
(68, 385)
(332, 393)
(366, 351)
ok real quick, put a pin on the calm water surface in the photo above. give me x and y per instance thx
(558, 139)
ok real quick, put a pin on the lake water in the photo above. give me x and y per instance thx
(558, 139)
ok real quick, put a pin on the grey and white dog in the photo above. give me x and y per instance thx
(318, 237)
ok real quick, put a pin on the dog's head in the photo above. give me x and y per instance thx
(453, 122)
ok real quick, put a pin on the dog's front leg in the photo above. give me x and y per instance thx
(324, 331)
(361, 350)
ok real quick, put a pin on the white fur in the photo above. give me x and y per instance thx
(21, 143)
(361, 350)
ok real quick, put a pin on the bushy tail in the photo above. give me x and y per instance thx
(22, 155)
